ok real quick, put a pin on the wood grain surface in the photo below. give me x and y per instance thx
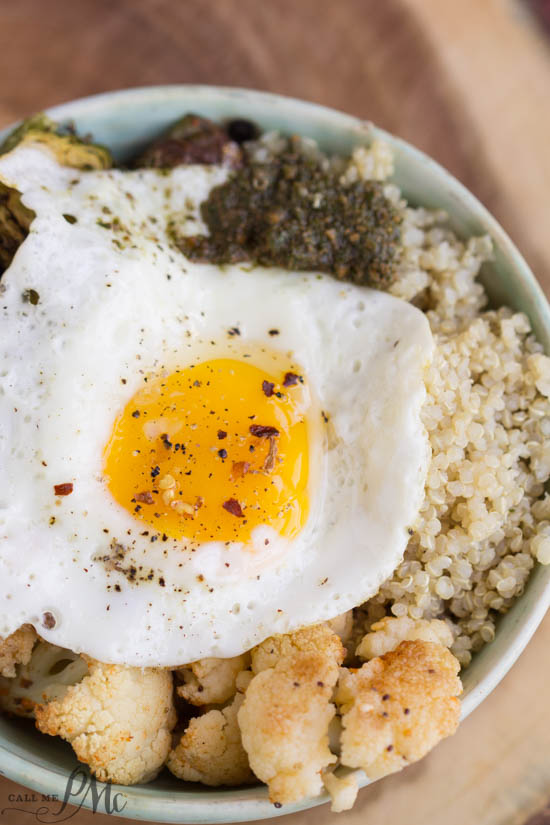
(467, 82)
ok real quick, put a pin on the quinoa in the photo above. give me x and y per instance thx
(485, 519)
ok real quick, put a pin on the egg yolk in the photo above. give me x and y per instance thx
(211, 451)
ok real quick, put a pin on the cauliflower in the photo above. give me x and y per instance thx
(16, 649)
(210, 750)
(343, 790)
(210, 681)
(397, 707)
(287, 709)
(316, 639)
(117, 719)
(386, 634)
(46, 676)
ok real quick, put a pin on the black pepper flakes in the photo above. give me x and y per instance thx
(222, 434)
(30, 296)
(222, 453)
(268, 388)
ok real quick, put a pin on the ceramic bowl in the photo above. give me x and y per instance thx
(126, 121)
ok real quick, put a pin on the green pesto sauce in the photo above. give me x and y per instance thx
(294, 213)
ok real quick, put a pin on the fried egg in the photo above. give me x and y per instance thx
(195, 457)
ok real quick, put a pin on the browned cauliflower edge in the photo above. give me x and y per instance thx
(210, 681)
(342, 790)
(397, 707)
(387, 633)
(16, 649)
(118, 721)
(210, 749)
(287, 709)
(46, 676)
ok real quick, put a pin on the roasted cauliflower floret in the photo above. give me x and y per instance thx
(117, 719)
(386, 634)
(210, 750)
(343, 790)
(210, 681)
(16, 649)
(287, 710)
(68, 148)
(44, 677)
(397, 707)
(316, 639)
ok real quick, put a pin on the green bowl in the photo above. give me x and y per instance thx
(126, 121)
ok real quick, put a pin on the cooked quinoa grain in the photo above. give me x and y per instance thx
(483, 523)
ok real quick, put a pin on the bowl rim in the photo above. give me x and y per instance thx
(229, 805)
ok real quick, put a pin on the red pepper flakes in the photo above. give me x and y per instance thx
(268, 388)
(239, 469)
(48, 620)
(63, 489)
(232, 506)
(263, 430)
(291, 379)
(145, 497)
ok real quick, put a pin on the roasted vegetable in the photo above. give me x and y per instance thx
(69, 149)
(42, 677)
(15, 220)
(193, 139)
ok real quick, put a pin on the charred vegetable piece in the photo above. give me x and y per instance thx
(69, 149)
(294, 213)
(241, 130)
(15, 221)
(193, 139)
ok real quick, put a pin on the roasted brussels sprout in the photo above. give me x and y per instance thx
(69, 149)
(193, 139)
(15, 220)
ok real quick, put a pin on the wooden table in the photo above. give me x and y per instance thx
(467, 82)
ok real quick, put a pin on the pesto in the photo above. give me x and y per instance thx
(294, 212)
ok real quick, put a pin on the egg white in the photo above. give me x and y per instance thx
(117, 303)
